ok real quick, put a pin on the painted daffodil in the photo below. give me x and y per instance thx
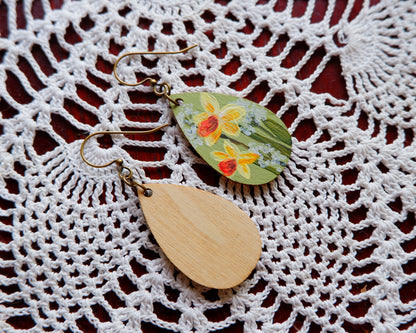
(216, 120)
(232, 160)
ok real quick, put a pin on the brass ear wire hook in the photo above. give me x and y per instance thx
(160, 89)
(126, 178)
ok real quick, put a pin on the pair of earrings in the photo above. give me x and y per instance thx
(208, 238)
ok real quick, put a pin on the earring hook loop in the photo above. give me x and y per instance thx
(120, 163)
(161, 89)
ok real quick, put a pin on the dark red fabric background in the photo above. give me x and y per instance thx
(330, 81)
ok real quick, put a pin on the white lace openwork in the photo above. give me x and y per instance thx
(337, 227)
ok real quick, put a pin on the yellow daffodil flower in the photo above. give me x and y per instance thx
(214, 120)
(232, 160)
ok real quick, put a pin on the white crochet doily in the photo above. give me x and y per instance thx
(337, 226)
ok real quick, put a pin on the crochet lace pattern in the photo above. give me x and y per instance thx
(337, 226)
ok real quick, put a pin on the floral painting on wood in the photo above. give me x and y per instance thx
(240, 139)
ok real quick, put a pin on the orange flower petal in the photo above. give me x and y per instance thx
(219, 155)
(247, 158)
(210, 103)
(232, 112)
(208, 126)
(228, 166)
(230, 128)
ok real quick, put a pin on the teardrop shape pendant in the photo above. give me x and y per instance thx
(205, 236)
(240, 139)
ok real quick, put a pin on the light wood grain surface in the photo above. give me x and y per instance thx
(208, 238)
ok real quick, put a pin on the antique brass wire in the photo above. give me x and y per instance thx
(126, 178)
(159, 89)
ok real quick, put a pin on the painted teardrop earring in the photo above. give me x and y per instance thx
(208, 238)
(240, 139)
